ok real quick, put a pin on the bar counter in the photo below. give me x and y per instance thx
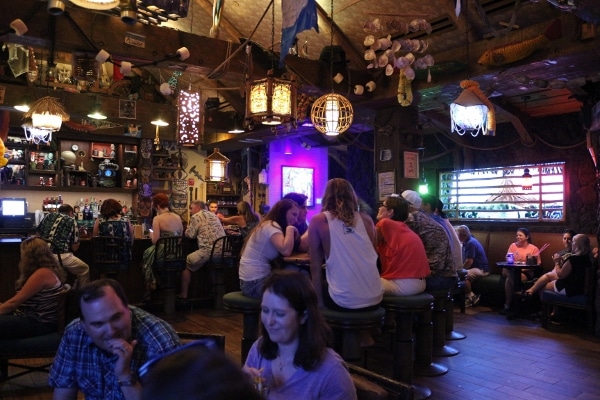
(132, 281)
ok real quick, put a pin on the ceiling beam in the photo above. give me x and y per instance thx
(516, 118)
(85, 31)
(353, 55)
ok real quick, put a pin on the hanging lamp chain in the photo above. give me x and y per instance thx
(331, 48)
(467, 34)
(273, 36)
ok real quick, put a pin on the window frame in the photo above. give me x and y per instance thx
(461, 193)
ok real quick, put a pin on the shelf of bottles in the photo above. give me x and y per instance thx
(51, 204)
(85, 211)
(227, 204)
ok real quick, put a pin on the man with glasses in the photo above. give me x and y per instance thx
(101, 350)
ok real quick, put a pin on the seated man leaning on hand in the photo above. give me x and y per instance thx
(101, 351)
(474, 261)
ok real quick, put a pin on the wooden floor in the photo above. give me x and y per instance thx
(499, 359)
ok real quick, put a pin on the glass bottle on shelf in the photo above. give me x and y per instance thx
(86, 210)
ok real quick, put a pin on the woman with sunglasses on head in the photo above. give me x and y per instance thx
(567, 239)
(246, 219)
(33, 310)
(292, 358)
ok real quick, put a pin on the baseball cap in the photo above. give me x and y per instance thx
(412, 197)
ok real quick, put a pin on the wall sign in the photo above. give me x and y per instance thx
(386, 182)
(411, 164)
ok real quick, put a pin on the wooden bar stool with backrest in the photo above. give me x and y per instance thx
(111, 255)
(169, 261)
(405, 309)
(224, 256)
(250, 308)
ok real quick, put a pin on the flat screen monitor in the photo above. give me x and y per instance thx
(13, 207)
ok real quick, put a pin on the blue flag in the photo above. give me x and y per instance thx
(297, 16)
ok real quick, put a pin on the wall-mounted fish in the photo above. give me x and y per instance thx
(510, 53)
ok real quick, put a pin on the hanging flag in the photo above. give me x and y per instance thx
(297, 16)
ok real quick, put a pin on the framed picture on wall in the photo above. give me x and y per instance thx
(411, 164)
(298, 180)
(127, 109)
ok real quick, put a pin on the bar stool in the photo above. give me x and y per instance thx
(225, 255)
(111, 255)
(169, 260)
(347, 326)
(440, 298)
(250, 308)
(405, 308)
(423, 364)
(458, 291)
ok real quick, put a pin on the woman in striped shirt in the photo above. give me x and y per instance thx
(33, 310)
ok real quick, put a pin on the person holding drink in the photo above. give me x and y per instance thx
(292, 359)
(520, 249)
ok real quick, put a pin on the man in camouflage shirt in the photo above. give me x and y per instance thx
(61, 230)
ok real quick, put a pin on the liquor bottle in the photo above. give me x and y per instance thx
(86, 210)
(94, 208)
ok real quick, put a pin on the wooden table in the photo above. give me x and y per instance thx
(516, 269)
(299, 260)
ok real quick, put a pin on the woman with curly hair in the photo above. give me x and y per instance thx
(292, 359)
(246, 218)
(33, 310)
(111, 221)
(344, 240)
(273, 237)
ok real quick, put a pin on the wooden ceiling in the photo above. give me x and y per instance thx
(556, 79)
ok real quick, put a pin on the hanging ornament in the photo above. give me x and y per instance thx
(174, 79)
